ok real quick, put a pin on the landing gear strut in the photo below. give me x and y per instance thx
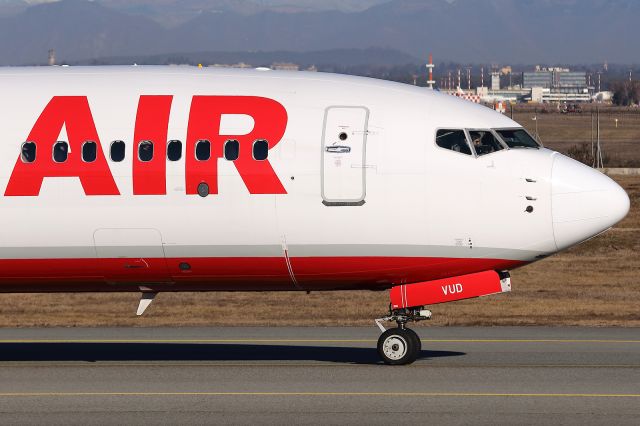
(400, 345)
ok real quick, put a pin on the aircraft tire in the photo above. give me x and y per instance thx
(416, 339)
(398, 346)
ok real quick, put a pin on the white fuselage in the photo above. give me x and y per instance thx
(384, 206)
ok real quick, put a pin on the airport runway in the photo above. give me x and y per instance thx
(505, 375)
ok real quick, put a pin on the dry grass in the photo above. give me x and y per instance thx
(560, 132)
(594, 284)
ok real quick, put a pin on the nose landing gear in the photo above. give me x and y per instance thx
(400, 345)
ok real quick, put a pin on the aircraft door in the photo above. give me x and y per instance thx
(131, 256)
(343, 156)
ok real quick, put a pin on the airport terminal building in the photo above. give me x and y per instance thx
(556, 85)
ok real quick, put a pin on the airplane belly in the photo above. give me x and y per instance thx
(129, 255)
(95, 244)
(383, 272)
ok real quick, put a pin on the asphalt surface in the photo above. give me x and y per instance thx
(505, 375)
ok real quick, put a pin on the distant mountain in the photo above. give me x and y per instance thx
(332, 59)
(76, 29)
(506, 31)
(173, 12)
(12, 7)
(520, 31)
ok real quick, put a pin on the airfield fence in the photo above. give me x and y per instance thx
(573, 133)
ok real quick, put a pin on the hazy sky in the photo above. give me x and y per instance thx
(267, 2)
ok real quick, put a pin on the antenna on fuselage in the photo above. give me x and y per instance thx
(146, 298)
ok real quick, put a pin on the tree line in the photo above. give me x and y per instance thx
(626, 93)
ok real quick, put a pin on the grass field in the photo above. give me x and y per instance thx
(620, 140)
(596, 284)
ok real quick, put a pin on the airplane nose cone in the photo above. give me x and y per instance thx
(585, 202)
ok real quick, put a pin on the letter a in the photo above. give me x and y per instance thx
(74, 113)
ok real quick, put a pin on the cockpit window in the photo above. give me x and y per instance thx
(517, 138)
(484, 142)
(455, 140)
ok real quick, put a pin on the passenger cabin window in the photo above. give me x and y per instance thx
(60, 152)
(231, 150)
(260, 150)
(89, 151)
(28, 152)
(117, 151)
(174, 150)
(203, 150)
(455, 140)
(145, 151)
(517, 138)
(484, 142)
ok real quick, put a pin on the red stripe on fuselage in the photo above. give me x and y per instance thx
(233, 274)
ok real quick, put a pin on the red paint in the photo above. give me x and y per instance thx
(384, 272)
(240, 274)
(270, 119)
(152, 120)
(74, 113)
(152, 123)
(126, 270)
(445, 290)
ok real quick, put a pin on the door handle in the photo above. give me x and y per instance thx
(338, 149)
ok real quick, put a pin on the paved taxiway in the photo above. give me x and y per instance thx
(318, 375)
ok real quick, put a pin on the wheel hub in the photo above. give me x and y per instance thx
(395, 347)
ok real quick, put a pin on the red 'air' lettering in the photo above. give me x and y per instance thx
(152, 122)
(270, 119)
(74, 113)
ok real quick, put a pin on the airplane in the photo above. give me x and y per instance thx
(163, 179)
